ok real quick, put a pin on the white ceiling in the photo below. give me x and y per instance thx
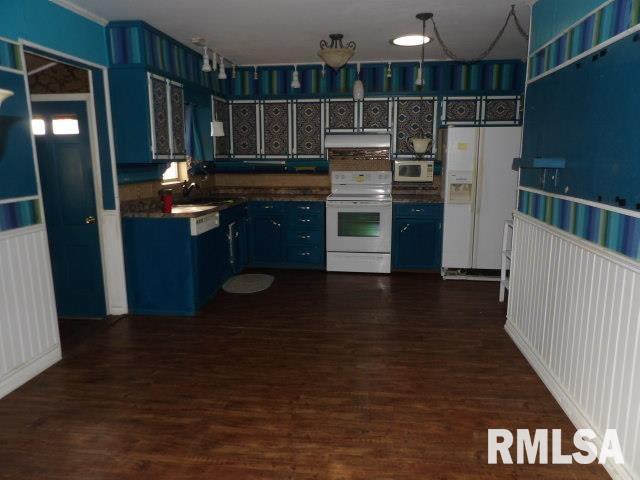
(288, 31)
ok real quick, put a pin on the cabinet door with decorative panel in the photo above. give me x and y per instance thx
(276, 129)
(461, 110)
(159, 112)
(308, 128)
(244, 118)
(376, 114)
(176, 104)
(415, 117)
(221, 145)
(502, 110)
(342, 115)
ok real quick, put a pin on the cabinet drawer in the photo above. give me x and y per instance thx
(307, 207)
(266, 207)
(309, 254)
(305, 221)
(424, 210)
(305, 237)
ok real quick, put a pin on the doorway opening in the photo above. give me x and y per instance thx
(64, 127)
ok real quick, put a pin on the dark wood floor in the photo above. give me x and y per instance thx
(321, 377)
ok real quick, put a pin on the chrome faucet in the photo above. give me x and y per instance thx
(188, 187)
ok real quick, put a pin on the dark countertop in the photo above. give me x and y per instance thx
(225, 198)
(155, 210)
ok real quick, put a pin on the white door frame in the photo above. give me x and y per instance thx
(109, 221)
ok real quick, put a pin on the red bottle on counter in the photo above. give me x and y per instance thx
(166, 196)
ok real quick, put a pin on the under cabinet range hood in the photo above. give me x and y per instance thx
(363, 140)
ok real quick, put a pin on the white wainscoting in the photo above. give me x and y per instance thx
(29, 337)
(115, 283)
(574, 312)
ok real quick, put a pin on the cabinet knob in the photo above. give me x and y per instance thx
(275, 223)
(405, 228)
(90, 220)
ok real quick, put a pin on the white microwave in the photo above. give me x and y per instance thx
(413, 171)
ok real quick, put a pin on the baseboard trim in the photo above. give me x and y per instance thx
(576, 415)
(25, 372)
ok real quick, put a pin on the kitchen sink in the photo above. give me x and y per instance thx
(191, 208)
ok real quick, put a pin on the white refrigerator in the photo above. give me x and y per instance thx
(480, 194)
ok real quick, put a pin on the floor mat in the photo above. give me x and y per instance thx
(248, 283)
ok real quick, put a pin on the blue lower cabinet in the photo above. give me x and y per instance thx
(268, 239)
(171, 272)
(287, 234)
(417, 236)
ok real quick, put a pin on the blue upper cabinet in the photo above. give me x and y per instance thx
(136, 43)
(153, 78)
(149, 117)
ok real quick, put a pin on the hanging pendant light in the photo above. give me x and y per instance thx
(255, 72)
(233, 70)
(222, 74)
(358, 87)
(295, 78)
(214, 61)
(423, 17)
(206, 63)
(336, 54)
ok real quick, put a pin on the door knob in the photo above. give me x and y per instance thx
(90, 220)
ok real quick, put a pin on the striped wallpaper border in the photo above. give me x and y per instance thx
(609, 229)
(490, 77)
(611, 19)
(19, 214)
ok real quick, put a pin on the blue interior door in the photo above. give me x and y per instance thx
(66, 175)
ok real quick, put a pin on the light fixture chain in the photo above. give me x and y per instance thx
(449, 53)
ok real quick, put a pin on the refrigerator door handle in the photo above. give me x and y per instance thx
(478, 196)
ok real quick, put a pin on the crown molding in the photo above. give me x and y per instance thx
(80, 11)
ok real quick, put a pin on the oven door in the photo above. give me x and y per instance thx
(359, 226)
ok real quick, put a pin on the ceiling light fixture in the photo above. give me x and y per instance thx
(423, 17)
(411, 40)
(295, 78)
(358, 87)
(206, 63)
(222, 74)
(4, 94)
(336, 54)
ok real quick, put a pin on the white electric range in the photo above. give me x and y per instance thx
(359, 214)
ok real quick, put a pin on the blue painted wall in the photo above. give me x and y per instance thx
(49, 25)
(17, 170)
(551, 17)
(587, 113)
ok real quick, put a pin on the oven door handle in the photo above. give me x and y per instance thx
(355, 205)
